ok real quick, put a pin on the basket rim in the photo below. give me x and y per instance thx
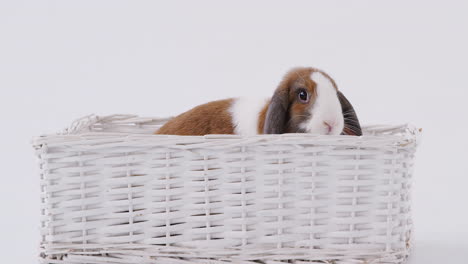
(79, 130)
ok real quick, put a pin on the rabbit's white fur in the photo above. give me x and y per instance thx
(245, 114)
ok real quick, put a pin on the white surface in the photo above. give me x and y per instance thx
(395, 61)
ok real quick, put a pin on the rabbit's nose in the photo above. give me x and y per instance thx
(329, 125)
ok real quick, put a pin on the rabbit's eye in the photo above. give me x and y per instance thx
(303, 95)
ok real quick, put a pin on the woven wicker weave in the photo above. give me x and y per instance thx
(114, 193)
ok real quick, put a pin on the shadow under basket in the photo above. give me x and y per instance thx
(112, 192)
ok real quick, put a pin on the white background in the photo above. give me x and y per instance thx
(397, 61)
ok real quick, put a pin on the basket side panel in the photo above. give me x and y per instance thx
(130, 197)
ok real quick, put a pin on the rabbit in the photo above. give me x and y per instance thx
(306, 101)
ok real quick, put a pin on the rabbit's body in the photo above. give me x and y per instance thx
(242, 116)
(306, 101)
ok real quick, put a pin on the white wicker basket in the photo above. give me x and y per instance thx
(114, 193)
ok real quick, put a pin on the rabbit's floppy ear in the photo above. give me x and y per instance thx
(276, 116)
(351, 121)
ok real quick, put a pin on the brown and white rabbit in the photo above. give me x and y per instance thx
(306, 101)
